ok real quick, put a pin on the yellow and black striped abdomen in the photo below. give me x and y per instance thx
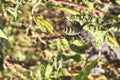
(70, 30)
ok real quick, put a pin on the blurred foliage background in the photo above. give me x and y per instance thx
(59, 39)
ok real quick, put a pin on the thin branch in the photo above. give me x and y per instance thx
(93, 11)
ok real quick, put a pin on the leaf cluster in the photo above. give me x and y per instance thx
(33, 45)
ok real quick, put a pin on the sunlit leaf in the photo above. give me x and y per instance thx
(55, 63)
(43, 25)
(60, 47)
(106, 8)
(78, 43)
(49, 69)
(112, 39)
(37, 73)
(70, 11)
(117, 1)
(48, 26)
(88, 3)
(2, 35)
(64, 42)
(19, 55)
(98, 36)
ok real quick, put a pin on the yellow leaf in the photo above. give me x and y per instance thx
(112, 38)
(49, 26)
(43, 25)
(2, 35)
(73, 12)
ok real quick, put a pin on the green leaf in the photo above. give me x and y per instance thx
(117, 1)
(70, 11)
(84, 73)
(43, 25)
(55, 63)
(37, 73)
(19, 55)
(49, 69)
(64, 42)
(88, 3)
(100, 37)
(112, 40)
(43, 70)
(106, 8)
(2, 35)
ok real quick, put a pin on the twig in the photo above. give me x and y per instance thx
(93, 11)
